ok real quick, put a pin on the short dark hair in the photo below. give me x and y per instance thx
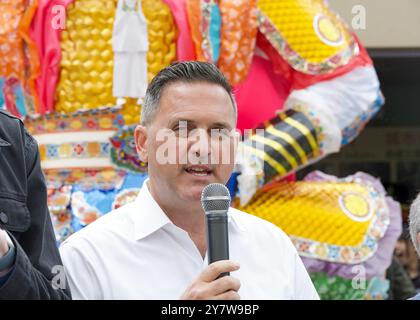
(414, 219)
(188, 71)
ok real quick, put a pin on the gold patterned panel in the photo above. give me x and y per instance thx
(307, 34)
(339, 222)
(162, 36)
(87, 56)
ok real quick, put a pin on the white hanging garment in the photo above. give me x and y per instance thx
(130, 46)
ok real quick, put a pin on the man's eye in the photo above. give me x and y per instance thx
(220, 133)
(184, 130)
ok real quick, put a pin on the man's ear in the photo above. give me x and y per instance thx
(141, 142)
(418, 239)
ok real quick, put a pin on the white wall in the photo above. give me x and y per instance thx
(389, 23)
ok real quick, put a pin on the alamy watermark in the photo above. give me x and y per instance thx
(358, 21)
(198, 146)
(58, 282)
(358, 12)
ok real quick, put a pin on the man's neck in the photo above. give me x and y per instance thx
(193, 222)
(189, 218)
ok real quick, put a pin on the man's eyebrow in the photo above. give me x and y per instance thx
(223, 125)
(177, 121)
(219, 124)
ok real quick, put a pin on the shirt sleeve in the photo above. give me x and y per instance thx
(304, 288)
(81, 275)
(301, 284)
(36, 251)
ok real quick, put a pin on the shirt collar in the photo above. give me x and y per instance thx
(149, 216)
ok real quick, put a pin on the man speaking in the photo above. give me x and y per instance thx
(156, 247)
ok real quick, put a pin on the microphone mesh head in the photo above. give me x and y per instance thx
(215, 196)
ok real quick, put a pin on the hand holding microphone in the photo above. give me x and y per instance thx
(215, 281)
(210, 286)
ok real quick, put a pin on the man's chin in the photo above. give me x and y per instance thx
(192, 187)
(192, 193)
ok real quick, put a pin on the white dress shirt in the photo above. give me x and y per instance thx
(136, 252)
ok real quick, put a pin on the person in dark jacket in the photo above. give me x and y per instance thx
(30, 264)
(401, 287)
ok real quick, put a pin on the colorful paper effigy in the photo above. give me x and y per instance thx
(45, 30)
(59, 197)
(237, 38)
(377, 264)
(307, 34)
(79, 140)
(337, 222)
(338, 288)
(299, 75)
(130, 46)
(342, 228)
(75, 204)
(162, 33)
(285, 143)
(205, 24)
(19, 64)
(123, 150)
(86, 63)
(318, 70)
(89, 204)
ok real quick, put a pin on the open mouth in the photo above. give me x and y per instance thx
(199, 171)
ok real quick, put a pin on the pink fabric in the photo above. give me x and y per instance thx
(47, 40)
(260, 95)
(184, 48)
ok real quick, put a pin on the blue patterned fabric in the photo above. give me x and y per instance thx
(2, 100)
(215, 28)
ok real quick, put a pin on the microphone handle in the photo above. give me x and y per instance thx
(217, 238)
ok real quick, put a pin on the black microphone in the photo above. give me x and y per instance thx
(215, 200)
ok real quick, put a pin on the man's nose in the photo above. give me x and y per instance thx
(200, 144)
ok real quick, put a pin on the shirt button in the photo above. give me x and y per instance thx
(4, 218)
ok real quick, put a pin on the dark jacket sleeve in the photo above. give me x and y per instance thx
(38, 263)
(401, 286)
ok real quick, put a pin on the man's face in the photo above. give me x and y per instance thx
(401, 251)
(193, 131)
(418, 244)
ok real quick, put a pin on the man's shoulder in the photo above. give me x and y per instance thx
(417, 297)
(255, 231)
(260, 227)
